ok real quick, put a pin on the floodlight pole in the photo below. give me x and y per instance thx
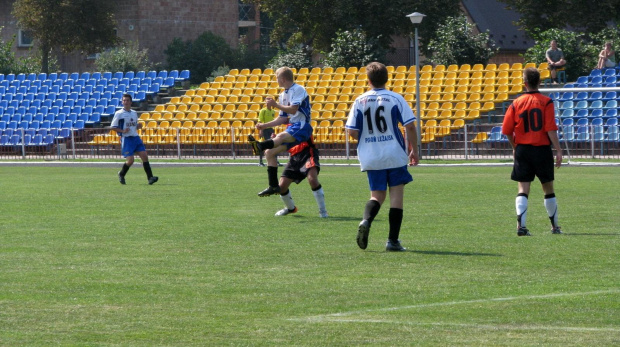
(416, 18)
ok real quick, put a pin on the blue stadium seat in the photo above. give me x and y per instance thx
(151, 74)
(46, 124)
(107, 75)
(611, 113)
(596, 104)
(163, 74)
(185, 75)
(118, 75)
(611, 104)
(79, 124)
(95, 76)
(130, 74)
(581, 96)
(168, 83)
(141, 74)
(4, 140)
(581, 113)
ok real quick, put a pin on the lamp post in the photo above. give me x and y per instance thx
(416, 18)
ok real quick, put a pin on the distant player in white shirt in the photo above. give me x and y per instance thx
(125, 123)
(382, 151)
(294, 106)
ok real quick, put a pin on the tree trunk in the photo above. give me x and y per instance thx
(45, 57)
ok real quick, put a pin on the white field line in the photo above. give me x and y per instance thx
(334, 316)
(474, 326)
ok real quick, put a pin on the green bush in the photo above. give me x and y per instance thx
(128, 57)
(353, 48)
(201, 56)
(456, 43)
(297, 58)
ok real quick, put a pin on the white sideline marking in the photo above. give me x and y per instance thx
(333, 316)
(476, 326)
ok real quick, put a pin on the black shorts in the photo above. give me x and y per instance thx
(298, 165)
(533, 161)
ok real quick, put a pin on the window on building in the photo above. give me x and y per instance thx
(25, 38)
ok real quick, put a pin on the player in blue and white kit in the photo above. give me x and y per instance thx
(382, 151)
(294, 106)
(125, 123)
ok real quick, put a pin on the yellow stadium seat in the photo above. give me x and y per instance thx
(528, 65)
(491, 67)
(480, 137)
(503, 67)
(425, 68)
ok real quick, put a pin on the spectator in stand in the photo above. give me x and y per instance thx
(607, 57)
(555, 59)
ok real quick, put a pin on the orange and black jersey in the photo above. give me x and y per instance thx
(529, 118)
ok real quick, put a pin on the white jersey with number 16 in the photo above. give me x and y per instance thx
(376, 115)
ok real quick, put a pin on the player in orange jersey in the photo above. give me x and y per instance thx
(530, 126)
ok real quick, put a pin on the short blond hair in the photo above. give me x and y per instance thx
(286, 73)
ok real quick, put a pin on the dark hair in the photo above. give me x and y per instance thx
(377, 74)
(126, 95)
(531, 76)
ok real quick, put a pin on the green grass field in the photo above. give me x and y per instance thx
(199, 260)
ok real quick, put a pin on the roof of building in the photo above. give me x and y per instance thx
(493, 16)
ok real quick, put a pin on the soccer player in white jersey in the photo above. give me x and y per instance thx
(294, 106)
(125, 123)
(382, 151)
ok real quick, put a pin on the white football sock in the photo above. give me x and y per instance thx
(521, 205)
(319, 196)
(552, 210)
(288, 200)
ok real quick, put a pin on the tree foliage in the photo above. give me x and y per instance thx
(296, 57)
(456, 43)
(586, 16)
(316, 22)
(201, 56)
(10, 64)
(354, 48)
(71, 25)
(127, 57)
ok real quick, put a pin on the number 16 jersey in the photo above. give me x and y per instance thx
(376, 115)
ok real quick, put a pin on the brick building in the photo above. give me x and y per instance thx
(154, 24)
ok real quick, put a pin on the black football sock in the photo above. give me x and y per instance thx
(267, 144)
(124, 169)
(396, 219)
(147, 169)
(371, 210)
(272, 174)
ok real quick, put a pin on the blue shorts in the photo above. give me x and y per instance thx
(300, 133)
(131, 145)
(381, 179)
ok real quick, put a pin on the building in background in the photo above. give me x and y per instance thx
(154, 24)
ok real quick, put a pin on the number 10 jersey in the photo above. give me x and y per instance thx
(376, 115)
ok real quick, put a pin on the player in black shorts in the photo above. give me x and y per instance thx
(530, 126)
(303, 163)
